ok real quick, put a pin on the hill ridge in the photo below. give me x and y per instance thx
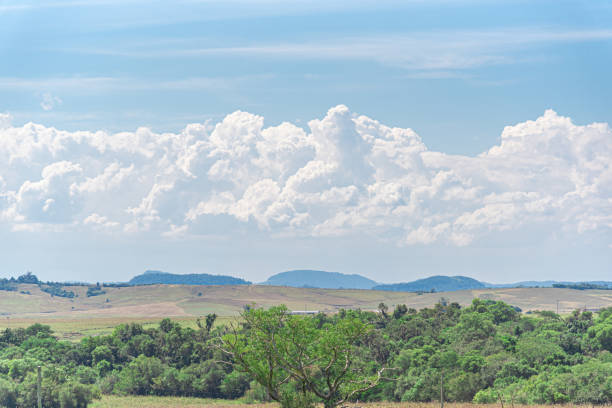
(151, 277)
(436, 283)
(308, 278)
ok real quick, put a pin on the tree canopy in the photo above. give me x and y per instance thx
(480, 353)
(310, 357)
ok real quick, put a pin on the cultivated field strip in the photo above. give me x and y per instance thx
(178, 402)
(82, 315)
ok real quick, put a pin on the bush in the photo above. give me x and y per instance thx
(76, 395)
(256, 393)
(103, 367)
(86, 375)
(486, 396)
(101, 353)
(291, 398)
(57, 291)
(95, 291)
(234, 385)
(138, 377)
(8, 394)
(107, 383)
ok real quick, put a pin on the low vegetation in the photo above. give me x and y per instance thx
(95, 291)
(483, 353)
(57, 290)
(583, 286)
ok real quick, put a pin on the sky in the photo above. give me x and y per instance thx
(394, 139)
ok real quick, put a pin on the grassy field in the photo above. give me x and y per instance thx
(82, 315)
(173, 402)
(67, 328)
(169, 402)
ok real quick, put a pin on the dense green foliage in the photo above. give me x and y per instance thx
(168, 360)
(480, 353)
(302, 358)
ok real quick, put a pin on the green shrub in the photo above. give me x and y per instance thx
(8, 394)
(138, 377)
(234, 385)
(77, 395)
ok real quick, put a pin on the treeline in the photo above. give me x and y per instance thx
(10, 284)
(480, 353)
(55, 288)
(582, 286)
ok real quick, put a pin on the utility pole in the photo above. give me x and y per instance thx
(38, 388)
(442, 388)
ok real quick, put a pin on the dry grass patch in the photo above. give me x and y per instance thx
(73, 329)
(153, 302)
(110, 401)
(177, 402)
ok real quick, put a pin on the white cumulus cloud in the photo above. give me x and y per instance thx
(5, 120)
(344, 175)
(49, 101)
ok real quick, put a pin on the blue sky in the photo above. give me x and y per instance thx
(101, 197)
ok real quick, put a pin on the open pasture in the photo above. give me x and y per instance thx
(73, 318)
(177, 402)
(110, 401)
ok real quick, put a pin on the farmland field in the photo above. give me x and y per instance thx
(82, 315)
(475, 350)
(109, 401)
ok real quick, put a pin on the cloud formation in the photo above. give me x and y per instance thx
(442, 52)
(49, 101)
(344, 175)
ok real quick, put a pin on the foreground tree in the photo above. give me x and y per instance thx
(297, 358)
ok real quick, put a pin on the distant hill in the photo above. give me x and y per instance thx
(320, 279)
(436, 283)
(158, 277)
(451, 283)
(552, 284)
(523, 284)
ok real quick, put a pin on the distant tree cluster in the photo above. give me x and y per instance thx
(29, 277)
(8, 285)
(56, 289)
(95, 290)
(116, 285)
(52, 288)
(582, 286)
